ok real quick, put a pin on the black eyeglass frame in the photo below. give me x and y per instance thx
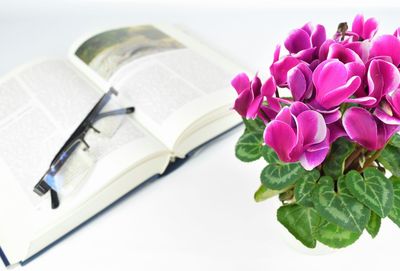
(75, 140)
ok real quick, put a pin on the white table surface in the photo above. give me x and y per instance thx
(202, 216)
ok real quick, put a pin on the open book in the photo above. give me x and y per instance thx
(180, 91)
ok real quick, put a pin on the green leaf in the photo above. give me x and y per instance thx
(390, 159)
(394, 214)
(248, 148)
(264, 193)
(340, 207)
(304, 188)
(395, 141)
(374, 224)
(300, 221)
(334, 236)
(334, 163)
(270, 155)
(374, 190)
(256, 125)
(280, 176)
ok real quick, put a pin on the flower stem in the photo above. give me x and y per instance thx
(277, 93)
(353, 156)
(370, 160)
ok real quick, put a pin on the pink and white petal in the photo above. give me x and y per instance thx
(358, 24)
(285, 116)
(332, 117)
(390, 130)
(385, 118)
(351, 37)
(313, 65)
(253, 108)
(316, 106)
(269, 87)
(383, 78)
(337, 96)
(256, 86)
(386, 45)
(361, 127)
(308, 27)
(318, 36)
(375, 82)
(305, 55)
(336, 131)
(333, 74)
(310, 160)
(298, 107)
(242, 102)
(277, 52)
(343, 54)
(281, 137)
(298, 150)
(324, 49)
(321, 145)
(365, 101)
(361, 48)
(280, 68)
(306, 70)
(385, 132)
(312, 127)
(307, 73)
(385, 58)
(297, 41)
(296, 83)
(241, 82)
(274, 104)
(370, 28)
(394, 101)
(355, 69)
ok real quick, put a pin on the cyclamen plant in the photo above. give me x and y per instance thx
(331, 147)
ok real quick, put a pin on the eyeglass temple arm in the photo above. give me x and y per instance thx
(122, 111)
(55, 201)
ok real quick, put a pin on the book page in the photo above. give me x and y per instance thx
(41, 105)
(172, 80)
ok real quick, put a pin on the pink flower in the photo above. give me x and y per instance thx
(364, 29)
(303, 42)
(365, 129)
(280, 67)
(334, 83)
(250, 98)
(303, 46)
(251, 95)
(298, 134)
(389, 109)
(383, 78)
(323, 77)
(387, 46)
(300, 82)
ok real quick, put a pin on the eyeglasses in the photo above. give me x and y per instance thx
(76, 140)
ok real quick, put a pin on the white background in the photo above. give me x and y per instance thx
(202, 216)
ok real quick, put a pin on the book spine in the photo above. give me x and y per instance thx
(4, 258)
